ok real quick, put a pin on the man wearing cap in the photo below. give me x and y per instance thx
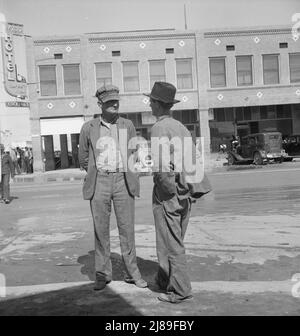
(103, 154)
(174, 191)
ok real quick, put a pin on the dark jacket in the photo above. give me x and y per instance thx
(88, 153)
(185, 184)
(7, 166)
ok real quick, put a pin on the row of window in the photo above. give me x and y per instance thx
(103, 71)
(249, 113)
(244, 70)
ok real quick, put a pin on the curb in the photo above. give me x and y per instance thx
(46, 179)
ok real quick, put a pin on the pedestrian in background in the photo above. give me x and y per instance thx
(27, 160)
(7, 170)
(30, 161)
(108, 180)
(172, 198)
(13, 154)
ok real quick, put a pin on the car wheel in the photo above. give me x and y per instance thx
(257, 160)
(230, 159)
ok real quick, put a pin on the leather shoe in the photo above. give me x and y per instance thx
(101, 284)
(141, 283)
(171, 298)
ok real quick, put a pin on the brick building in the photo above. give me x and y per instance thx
(229, 82)
(253, 82)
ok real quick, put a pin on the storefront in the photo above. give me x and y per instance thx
(60, 142)
(143, 121)
(241, 121)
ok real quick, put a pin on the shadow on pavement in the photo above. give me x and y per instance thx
(80, 300)
(147, 268)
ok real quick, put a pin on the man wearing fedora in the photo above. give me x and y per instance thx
(108, 180)
(173, 194)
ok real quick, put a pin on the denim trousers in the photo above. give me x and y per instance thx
(5, 189)
(111, 188)
(171, 219)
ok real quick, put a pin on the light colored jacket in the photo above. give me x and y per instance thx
(88, 153)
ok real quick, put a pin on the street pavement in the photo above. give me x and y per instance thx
(242, 246)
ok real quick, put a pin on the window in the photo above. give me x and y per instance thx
(295, 68)
(71, 79)
(230, 47)
(283, 45)
(244, 70)
(217, 72)
(103, 74)
(283, 111)
(116, 53)
(219, 114)
(247, 113)
(184, 74)
(48, 80)
(58, 56)
(131, 76)
(157, 72)
(170, 51)
(271, 69)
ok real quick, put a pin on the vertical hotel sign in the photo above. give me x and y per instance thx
(14, 83)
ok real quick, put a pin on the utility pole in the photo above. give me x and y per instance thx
(185, 23)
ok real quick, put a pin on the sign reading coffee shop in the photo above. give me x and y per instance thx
(14, 83)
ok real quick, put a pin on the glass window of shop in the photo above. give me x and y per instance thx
(131, 76)
(103, 74)
(184, 74)
(294, 68)
(157, 71)
(217, 72)
(271, 69)
(71, 79)
(223, 114)
(48, 85)
(244, 70)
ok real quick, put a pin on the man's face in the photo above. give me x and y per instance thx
(154, 104)
(111, 106)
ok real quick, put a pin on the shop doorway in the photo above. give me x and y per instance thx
(60, 151)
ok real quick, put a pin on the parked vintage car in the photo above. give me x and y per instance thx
(291, 145)
(258, 148)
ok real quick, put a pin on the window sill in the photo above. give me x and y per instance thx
(59, 97)
(187, 90)
(254, 87)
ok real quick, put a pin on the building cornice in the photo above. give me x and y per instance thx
(247, 32)
(57, 41)
(143, 37)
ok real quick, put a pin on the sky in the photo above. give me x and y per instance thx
(70, 17)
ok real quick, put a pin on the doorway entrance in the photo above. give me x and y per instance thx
(60, 151)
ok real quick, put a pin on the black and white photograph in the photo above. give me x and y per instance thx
(150, 161)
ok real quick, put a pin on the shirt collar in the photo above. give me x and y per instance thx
(163, 117)
(104, 123)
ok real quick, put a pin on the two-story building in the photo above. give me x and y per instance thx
(229, 82)
(252, 81)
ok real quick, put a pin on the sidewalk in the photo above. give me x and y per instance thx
(216, 164)
(75, 174)
(232, 274)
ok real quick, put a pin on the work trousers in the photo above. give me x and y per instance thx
(5, 188)
(171, 219)
(111, 187)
